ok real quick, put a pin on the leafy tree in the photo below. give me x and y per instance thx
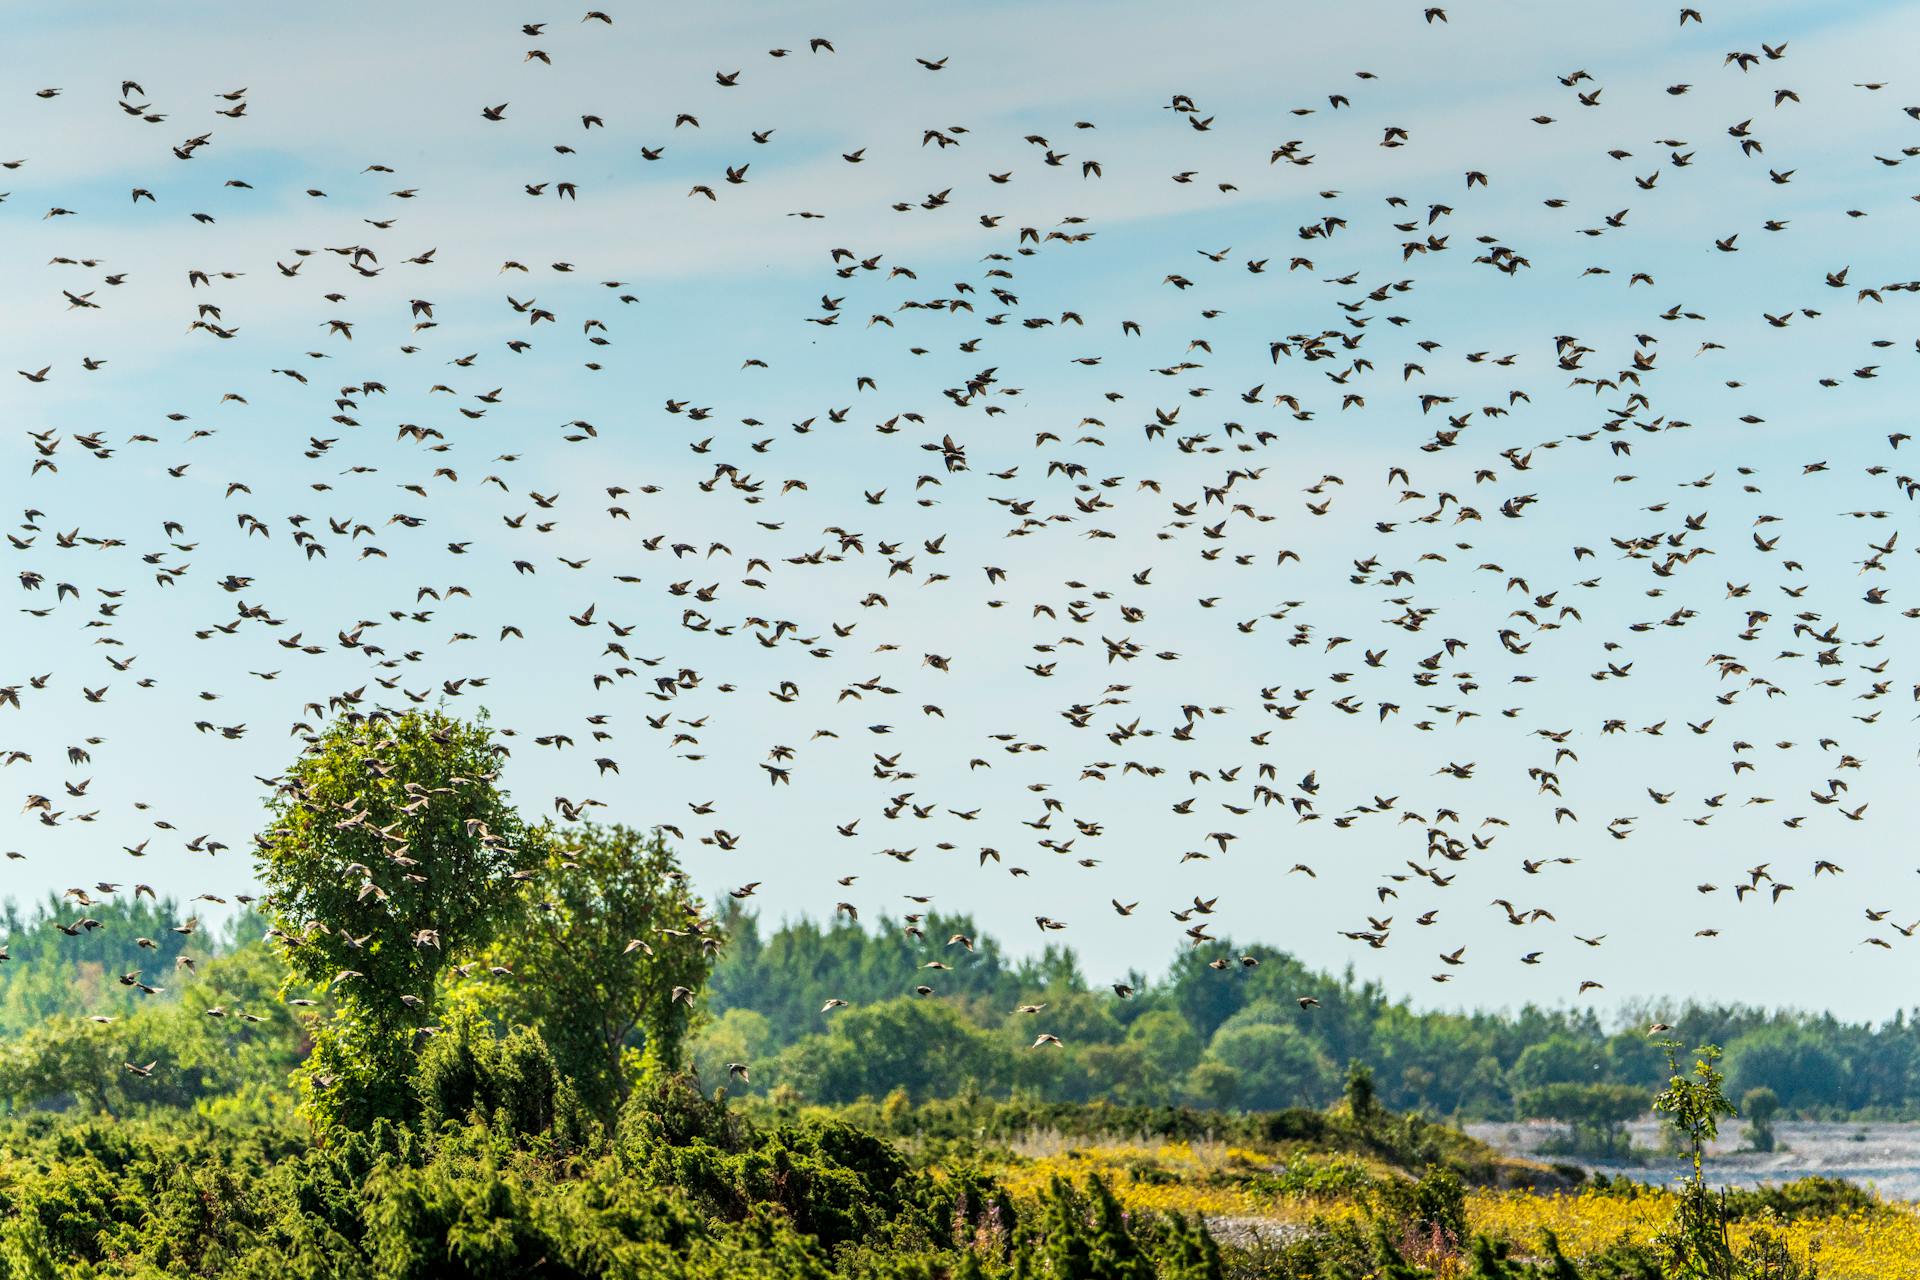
(1363, 1104)
(784, 975)
(1467, 1066)
(1559, 1059)
(1434, 1205)
(1090, 1239)
(217, 1037)
(390, 852)
(65, 1061)
(50, 973)
(739, 1035)
(1760, 1106)
(1799, 1064)
(1213, 1084)
(1077, 1017)
(1694, 1102)
(873, 1049)
(1166, 1042)
(511, 1084)
(607, 935)
(1596, 1115)
(1277, 1066)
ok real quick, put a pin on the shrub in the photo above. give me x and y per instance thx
(509, 1083)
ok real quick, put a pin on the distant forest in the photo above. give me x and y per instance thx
(1233, 1037)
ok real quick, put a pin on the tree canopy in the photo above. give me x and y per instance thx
(389, 852)
(605, 955)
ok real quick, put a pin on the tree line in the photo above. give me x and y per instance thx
(1221, 1038)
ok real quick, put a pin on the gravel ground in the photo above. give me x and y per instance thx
(1247, 1233)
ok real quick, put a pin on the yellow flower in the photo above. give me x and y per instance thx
(1874, 1245)
(1220, 1181)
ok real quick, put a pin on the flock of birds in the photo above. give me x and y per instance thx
(1057, 535)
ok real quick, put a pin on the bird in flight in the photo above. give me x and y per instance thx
(1114, 495)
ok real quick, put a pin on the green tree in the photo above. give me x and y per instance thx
(1088, 1239)
(217, 1037)
(1077, 1017)
(738, 1035)
(1166, 1042)
(1363, 1104)
(1694, 1102)
(390, 852)
(1596, 1115)
(1558, 1059)
(65, 1061)
(508, 1083)
(1277, 1066)
(1760, 1106)
(876, 1048)
(1213, 1084)
(1798, 1063)
(608, 934)
(52, 973)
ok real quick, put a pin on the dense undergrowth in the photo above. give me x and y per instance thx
(503, 1175)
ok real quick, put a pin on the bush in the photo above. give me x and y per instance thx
(1810, 1197)
(831, 1179)
(1760, 1106)
(1326, 1177)
(467, 1074)
(1433, 1205)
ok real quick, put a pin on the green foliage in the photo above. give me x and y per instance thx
(1595, 1115)
(1694, 1102)
(1801, 1065)
(689, 1188)
(1168, 1047)
(875, 1048)
(836, 1182)
(510, 1084)
(1809, 1197)
(49, 973)
(813, 1201)
(759, 1012)
(1085, 1239)
(1363, 1103)
(1561, 1058)
(1760, 1106)
(390, 852)
(1274, 1065)
(533, 1118)
(1696, 1244)
(217, 1036)
(743, 1036)
(1466, 1066)
(1318, 1177)
(1087, 1236)
(573, 971)
(1434, 1205)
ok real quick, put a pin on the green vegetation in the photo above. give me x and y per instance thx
(616, 947)
(1185, 1040)
(1697, 1241)
(451, 1043)
(1760, 1106)
(1595, 1116)
(388, 851)
(1232, 1038)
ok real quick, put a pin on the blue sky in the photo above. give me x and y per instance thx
(716, 283)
